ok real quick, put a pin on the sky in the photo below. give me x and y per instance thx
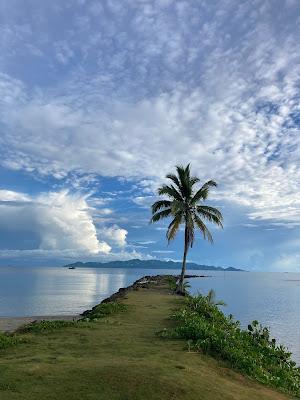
(100, 99)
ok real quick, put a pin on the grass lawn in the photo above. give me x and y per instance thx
(120, 357)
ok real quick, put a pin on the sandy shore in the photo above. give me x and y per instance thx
(10, 324)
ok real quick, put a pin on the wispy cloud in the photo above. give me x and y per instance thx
(163, 251)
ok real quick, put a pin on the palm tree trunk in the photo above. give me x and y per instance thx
(181, 279)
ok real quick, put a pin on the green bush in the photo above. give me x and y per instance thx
(251, 351)
(171, 281)
(9, 340)
(103, 310)
(47, 326)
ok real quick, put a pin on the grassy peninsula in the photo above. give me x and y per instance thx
(117, 353)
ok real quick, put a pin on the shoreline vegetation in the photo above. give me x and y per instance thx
(11, 324)
(131, 346)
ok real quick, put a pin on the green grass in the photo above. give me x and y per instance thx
(120, 357)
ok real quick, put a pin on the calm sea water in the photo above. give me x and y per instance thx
(271, 298)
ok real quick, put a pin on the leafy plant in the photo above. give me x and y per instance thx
(171, 281)
(185, 288)
(252, 351)
(185, 205)
(103, 310)
(9, 340)
(211, 299)
(47, 326)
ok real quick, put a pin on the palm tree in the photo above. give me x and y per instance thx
(185, 206)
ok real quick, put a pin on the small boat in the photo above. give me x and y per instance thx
(72, 267)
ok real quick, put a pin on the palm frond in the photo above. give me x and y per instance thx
(161, 215)
(160, 204)
(203, 228)
(211, 214)
(210, 184)
(170, 191)
(188, 169)
(194, 180)
(173, 227)
(202, 193)
(175, 179)
(211, 210)
(184, 178)
(220, 303)
(211, 299)
(211, 296)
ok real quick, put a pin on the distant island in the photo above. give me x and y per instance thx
(147, 264)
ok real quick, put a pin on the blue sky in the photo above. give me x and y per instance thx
(100, 99)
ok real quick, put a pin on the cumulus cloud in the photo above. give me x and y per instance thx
(115, 234)
(66, 223)
(59, 221)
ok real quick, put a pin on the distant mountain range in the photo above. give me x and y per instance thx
(148, 264)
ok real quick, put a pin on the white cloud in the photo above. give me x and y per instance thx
(70, 255)
(11, 196)
(246, 165)
(163, 251)
(105, 211)
(115, 234)
(144, 201)
(60, 220)
(66, 223)
(220, 93)
(287, 262)
(143, 242)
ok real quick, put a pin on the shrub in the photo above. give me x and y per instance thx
(9, 340)
(103, 310)
(47, 326)
(251, 351)
(171, 280)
